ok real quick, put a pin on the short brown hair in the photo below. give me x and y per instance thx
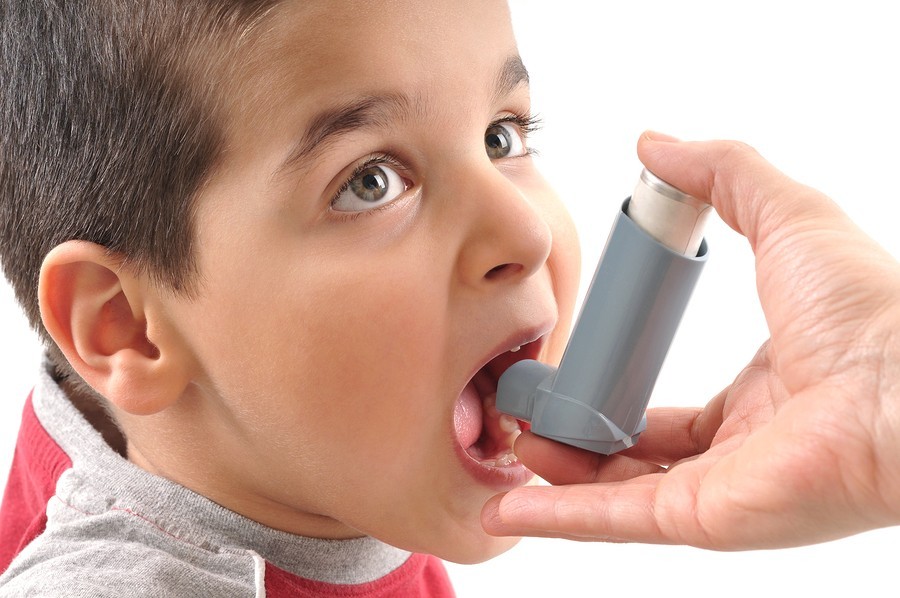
(110, 123)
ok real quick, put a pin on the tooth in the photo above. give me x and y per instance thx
(509, 424)
(507, 459)
(516, 349)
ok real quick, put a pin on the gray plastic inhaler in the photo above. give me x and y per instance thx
(597, 397)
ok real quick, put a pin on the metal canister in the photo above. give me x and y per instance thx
(669, 215)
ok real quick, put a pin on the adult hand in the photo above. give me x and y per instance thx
(804, 446)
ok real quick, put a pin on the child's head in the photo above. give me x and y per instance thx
(112, 121)
(283, 239)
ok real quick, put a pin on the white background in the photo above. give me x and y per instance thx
(813, 86)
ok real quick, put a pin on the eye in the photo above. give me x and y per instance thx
(371, 186)
(502, 140)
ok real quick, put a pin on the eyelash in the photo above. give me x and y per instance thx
(370, 161)
(526, 123)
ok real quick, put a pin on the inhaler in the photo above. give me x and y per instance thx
(597, 397)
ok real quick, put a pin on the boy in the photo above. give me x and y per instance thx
(281, 251)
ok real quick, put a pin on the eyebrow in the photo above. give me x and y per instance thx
(378, 111)
(512, 74)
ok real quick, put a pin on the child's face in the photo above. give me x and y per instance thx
(339, 324)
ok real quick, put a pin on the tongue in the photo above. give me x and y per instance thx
(467, 416)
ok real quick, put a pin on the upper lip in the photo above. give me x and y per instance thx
(521, 337)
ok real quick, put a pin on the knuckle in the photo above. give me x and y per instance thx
(736, 153)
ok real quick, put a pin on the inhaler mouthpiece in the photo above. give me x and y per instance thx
(597, 397)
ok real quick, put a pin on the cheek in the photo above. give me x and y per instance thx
(564, 262)
(370, 340)
(341, 351)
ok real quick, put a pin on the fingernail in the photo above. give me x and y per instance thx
(490, 516)
(659, 137)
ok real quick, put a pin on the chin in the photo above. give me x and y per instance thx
(480, 548)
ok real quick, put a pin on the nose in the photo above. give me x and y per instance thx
(506, 236)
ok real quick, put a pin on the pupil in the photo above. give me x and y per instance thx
(370, 185)
(496, 142)
(372, 182)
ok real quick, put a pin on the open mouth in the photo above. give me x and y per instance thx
(486, 435)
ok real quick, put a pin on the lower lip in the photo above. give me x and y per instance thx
(501, 479)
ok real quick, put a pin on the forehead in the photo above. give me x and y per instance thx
(319, 52)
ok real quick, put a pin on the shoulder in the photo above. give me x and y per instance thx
(104, 567)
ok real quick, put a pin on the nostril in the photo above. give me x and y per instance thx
(503, 271)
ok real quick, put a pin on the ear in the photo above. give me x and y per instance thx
(94, 309)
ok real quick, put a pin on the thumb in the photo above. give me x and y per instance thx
(819, 277)
(750, 195)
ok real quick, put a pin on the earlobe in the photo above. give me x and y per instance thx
(95, 312)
